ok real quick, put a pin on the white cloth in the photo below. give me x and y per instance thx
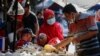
(12, 12)
(84, 3)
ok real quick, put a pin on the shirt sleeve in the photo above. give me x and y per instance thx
(91, 23)
(34, 18)
(59, 32)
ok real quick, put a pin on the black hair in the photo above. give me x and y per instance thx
(26, 31)
(39, 12)
(69, 8)
(27, 5)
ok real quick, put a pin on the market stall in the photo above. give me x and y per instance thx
(36, 50)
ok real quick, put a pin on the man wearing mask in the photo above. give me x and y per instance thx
(50, 27)
(83, 29)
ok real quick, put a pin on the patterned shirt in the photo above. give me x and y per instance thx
(86, 23)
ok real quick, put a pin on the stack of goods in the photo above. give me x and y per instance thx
(35, 50)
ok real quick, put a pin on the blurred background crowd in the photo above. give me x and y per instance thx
(37, 21)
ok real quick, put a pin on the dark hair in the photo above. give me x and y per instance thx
(25, 31)
(27, 5)
(69, 8)
(39, 12)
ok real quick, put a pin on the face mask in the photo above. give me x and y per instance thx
(72, 21)
(51, 21)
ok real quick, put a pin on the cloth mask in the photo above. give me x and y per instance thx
(51, 21)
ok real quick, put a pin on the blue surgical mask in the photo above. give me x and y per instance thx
(51, 21)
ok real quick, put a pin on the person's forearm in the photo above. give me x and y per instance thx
(64, 42)
(87, 35)
(37, 29)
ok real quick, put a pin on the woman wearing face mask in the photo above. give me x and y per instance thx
(51, 28)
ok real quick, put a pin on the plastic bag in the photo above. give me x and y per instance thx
(12, 12)
(71, 48)
(20, 11)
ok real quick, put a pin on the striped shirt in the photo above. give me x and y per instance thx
(86, 23)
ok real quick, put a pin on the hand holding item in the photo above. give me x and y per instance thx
(74, 38)
(64, 42)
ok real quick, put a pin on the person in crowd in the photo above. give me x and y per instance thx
(30, 20)
(43, 40)
(26, 36)
(14, 24)
(50, 27)
(60, 18)
(83, 29)
(40, 17)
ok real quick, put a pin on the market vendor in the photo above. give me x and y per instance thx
(84, 30)
(50, 27)
(26, 36)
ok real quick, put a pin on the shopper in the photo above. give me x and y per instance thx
(50, 27)
(84, 30)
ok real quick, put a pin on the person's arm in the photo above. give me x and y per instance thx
(59, 32)
(85, 36)
(35, 22)
(64, 42)
(36, 27)
(69, 39)
(20, 29)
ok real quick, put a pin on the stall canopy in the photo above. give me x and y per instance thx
(94, 8)
(48, 3)
(83, 3)
(55, 4)
(44, 4)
